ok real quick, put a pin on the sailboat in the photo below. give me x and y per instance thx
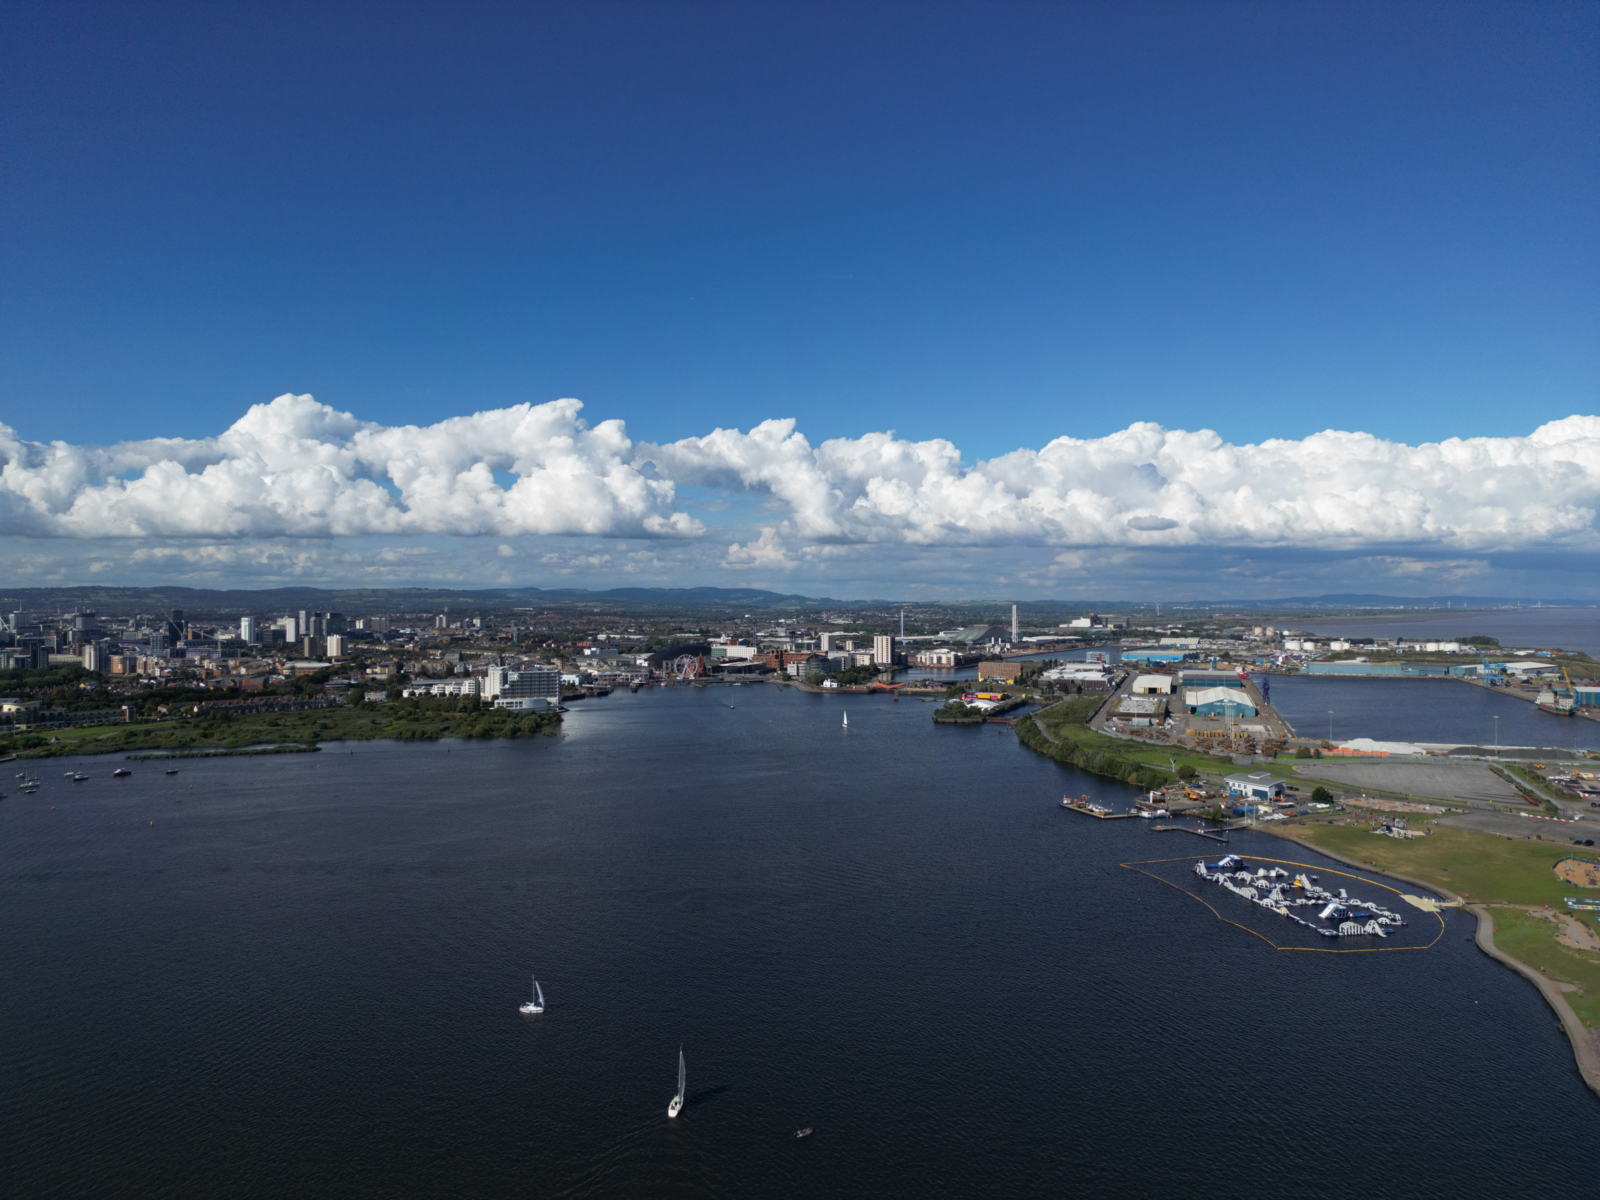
(536, 1005)
(676, 1106)
(847, 720)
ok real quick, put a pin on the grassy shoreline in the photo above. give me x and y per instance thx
(1512, 887)
(404, 720)
(1062, 732)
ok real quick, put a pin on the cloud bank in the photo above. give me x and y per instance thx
(299, 469)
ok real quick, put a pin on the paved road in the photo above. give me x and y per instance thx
(1472, 782)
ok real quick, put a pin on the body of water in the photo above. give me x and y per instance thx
(1528, 628)
(1422, 710)
(298, 976)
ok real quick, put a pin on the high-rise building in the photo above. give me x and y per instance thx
(293, 631)
(529, 688)
(883, 650)
(93, 657)
(335, 644)
(333, 623)
(441, 621)
(494, 681)
(247, 630)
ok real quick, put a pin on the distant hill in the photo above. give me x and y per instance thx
(711, 601)
(221, 602)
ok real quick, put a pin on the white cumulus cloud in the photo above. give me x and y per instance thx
(297, 468)
(1149, 486)
(294, 468)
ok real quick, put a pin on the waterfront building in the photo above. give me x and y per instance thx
(1156, 656)
(1370, 668)
(1209, 678)
(529, 688)
(1256, 786)
(1152, 685)
(942, 657)
(1085, 677)
(450, 687)
(1007, 671)
(883, 650)
(1218, 702)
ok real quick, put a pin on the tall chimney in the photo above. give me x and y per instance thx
(1014, 638)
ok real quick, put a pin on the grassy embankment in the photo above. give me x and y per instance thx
(1512, 876)
(1533, 785)
(1067, 738)
(403, 720)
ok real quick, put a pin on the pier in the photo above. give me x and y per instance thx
(1097, 811)
(1205, 833)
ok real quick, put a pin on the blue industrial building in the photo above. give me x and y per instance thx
(1219, 702)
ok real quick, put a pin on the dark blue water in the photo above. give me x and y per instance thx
(1423, 710)
(301, 980)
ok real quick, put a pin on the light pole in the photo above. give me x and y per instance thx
(1497, 737)
(1330, 727)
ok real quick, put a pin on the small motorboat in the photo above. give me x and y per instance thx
(172, 770)
(120, 773)
(800, 1133)
(80, 778)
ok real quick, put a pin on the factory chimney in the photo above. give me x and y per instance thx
(1014, 638)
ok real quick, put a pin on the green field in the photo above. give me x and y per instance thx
(403, 720)
(1067, 738)
(1479, 867)
(1532, 940)
(1486, 869)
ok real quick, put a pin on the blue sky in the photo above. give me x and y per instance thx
(994, 224)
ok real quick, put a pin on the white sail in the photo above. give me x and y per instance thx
(676, 1106)
(847, 720)
(535, 1005)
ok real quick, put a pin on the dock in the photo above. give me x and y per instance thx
(1205, 833)
(1086, 810)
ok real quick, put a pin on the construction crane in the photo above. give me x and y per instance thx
(1572, 692)
(1492, 674)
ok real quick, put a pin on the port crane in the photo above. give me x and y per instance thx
(1493, 674)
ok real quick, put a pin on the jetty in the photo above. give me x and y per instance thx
(1090, 809)
(1205, 833)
